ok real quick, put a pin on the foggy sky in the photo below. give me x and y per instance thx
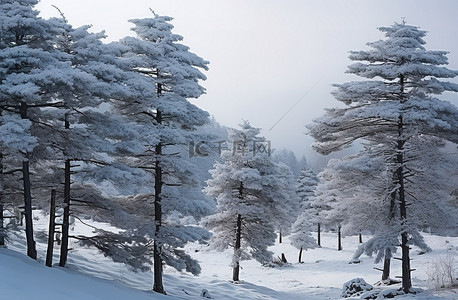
(268, 55)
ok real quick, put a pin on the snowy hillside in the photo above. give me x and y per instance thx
(321, 276)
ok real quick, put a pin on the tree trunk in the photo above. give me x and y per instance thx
(66, 215)
(319, 235)
(386, 264)
(31, 250)
(406, 276)
(52, 228)
(388, 254)
(339, 238)
(360, 238)
(238, 239)
(300, 255)
(158, 285)
(280, 240)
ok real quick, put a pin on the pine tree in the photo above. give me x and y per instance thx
(249, 191)
(167, 75)
(393, 108)
(31, 67)
(301, 237)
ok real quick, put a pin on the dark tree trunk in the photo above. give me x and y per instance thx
(360, 238)
(158, 285)
(319, 235)
(386, 264)
(339, 238)
(31, 250)
(406, 276)
(280, 240)
(300, 255)
(66, 215)
(52, 228)
(238, 239)
(388, 254)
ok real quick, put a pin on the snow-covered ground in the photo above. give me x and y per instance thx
(89, 275)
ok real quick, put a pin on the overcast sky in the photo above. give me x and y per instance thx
(268, 55)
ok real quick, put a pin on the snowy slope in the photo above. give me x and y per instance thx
(24, 278)
(89, 275)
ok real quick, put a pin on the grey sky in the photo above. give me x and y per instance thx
(266, 54)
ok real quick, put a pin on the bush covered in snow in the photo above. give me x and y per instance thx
(381, 294)
(441, 272)
(355, 287)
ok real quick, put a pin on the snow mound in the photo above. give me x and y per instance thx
(355, 287)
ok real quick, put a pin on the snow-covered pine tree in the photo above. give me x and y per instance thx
(249, 190)
(395, 105)
(301, 237)
(31, 67)
(91, 136)
(170, 75)
(281, 188)
(321, 206)
(365, 202)
(287, 157)
(306, 186)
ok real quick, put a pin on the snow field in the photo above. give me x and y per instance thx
(90, 275)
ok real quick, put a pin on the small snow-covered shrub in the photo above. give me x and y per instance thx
(441, 272)
(355, 287)
(381, 294)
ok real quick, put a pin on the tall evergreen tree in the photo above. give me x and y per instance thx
(248, 192)
(31, 67)
(392, 108)
(301, 230)
(169, 76)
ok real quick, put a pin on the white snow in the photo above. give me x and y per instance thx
(89, 275)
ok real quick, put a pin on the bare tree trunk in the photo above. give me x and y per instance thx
(52, 228)
(238, 238)
(360, 238)
(386, 264)
(158, 285)
(388, 254)
(319, 235)
(406, 276)
(66, 215)
(280, 239)
(339, 238)
(300, 255)
(31, 248)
